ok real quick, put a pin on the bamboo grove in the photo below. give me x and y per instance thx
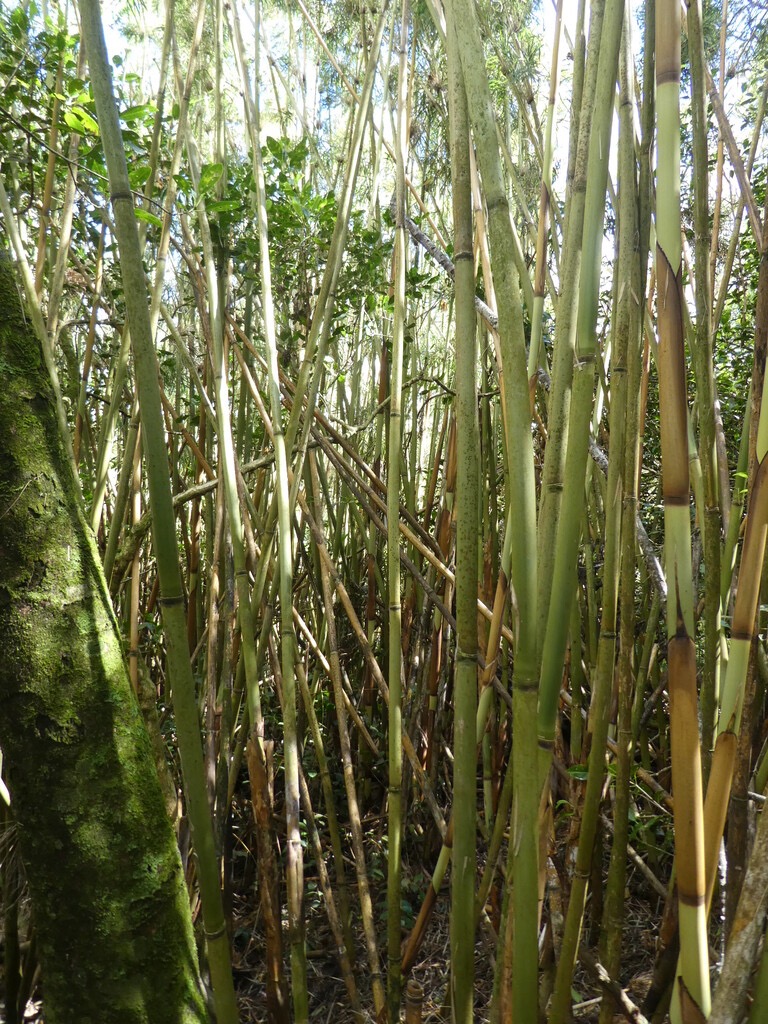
(410, 361)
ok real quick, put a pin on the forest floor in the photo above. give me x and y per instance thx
(328, 995)
(329, 1000)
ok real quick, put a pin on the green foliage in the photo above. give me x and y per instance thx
(735, 334)
(710, 23)
(41, 90)
(301, 224)
(29, 57)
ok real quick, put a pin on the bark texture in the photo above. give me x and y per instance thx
(110, 907)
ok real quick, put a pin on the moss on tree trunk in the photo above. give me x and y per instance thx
(110, 906)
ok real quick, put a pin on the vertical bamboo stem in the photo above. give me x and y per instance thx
(710, 517)
(631, 289)
(465, 685)
(684, 731)
(187, 721)
(133, 644)
(524, 843)
(394, 819)
(545, 202)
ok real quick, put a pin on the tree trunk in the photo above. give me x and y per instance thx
(110, 907)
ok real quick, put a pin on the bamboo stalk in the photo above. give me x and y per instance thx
(753, 213)
(559, 405)
(686, 756)
(294, 866)
(133, 643)
(744, 612)
(56, 283)
(568, 528)
(522, 495)
(394, 472)
(466, 672)
(710, 517)
(626, 353)
(545, 202)
(347, 946)
(567, 533)
(164, 528)
(88, 355)
(277, 996)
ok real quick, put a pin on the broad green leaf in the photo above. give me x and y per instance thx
(225, 205)
(137, 113)
(150, 218)
(74, 122)
(209, 176)
(88, 121)
(139, 175)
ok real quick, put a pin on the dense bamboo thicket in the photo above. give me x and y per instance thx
(411, 361)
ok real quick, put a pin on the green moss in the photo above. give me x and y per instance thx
(112, 913)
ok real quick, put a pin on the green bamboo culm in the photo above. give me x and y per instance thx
(568, 528)
(625, 378)
(523, 846)
(163, 519)
(559, 402)
(227, 458)
(545, 203)
(468, 457)
(395, 810)
(684, 728)
(710, 517)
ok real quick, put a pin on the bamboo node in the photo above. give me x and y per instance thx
(414, 998)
